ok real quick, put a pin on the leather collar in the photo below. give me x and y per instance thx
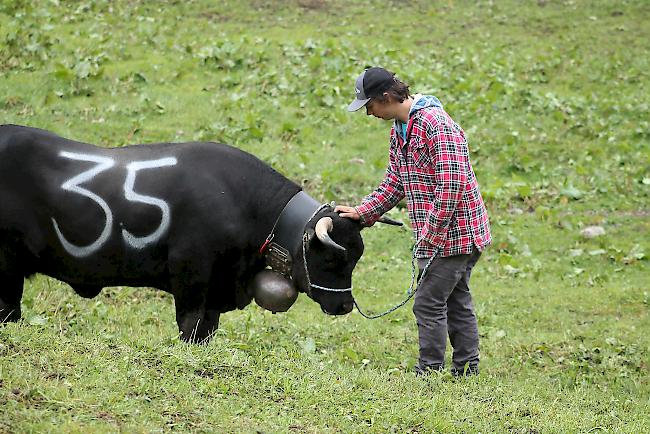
(286, 236)
(292, 220)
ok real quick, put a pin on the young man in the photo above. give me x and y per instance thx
(429, 165)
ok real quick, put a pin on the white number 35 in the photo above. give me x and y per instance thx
(103, 164)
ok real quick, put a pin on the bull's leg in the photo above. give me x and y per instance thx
(196, 322)
(11, 291)
(190, 273)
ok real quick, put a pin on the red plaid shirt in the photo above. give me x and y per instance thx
(433, 171)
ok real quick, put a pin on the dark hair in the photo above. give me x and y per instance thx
(399, 91)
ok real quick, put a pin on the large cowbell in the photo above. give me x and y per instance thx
(272, 291)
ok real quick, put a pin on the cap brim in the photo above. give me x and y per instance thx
(357, 104)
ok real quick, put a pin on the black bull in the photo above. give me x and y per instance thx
(186, 218)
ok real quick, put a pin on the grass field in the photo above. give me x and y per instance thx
(554, 97)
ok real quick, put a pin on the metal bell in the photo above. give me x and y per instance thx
(272, 291)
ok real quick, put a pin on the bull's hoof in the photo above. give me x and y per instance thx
(197, 328)
(195, 339)
(87, 291)
(9, 313)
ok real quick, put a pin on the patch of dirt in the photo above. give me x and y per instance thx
(639, 213)
(214, 16)
(219, 371)
(313, 4)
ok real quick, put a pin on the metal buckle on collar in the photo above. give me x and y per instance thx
(279, 259)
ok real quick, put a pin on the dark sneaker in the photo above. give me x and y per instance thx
(466, 372)
(421, 371)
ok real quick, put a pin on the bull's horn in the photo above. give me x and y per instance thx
(323, 227)
(389, 221)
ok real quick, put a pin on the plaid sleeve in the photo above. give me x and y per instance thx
(450, 154)
(387, 195)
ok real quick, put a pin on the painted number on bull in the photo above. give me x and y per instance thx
(141, 242)
(103, 164)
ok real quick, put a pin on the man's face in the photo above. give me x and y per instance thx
(379, 110)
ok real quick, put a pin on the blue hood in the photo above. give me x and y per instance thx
(423, 101)
(420, 102)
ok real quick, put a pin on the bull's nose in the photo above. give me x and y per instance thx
(343, 309)
(347, 307)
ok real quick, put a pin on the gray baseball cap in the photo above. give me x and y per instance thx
(371, 83)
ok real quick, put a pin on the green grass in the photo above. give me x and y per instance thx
(554, 98)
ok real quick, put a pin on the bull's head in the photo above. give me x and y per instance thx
(323, 269)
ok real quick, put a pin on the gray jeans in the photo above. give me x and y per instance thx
(443, 305)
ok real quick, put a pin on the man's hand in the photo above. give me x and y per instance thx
(347, 211)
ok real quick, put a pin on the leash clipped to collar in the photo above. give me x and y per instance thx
(289, 231)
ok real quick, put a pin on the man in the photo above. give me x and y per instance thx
(429, 165)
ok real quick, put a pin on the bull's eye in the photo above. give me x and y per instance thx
(337, 258)
(332, 262)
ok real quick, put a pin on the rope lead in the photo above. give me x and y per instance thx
(411, 291)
